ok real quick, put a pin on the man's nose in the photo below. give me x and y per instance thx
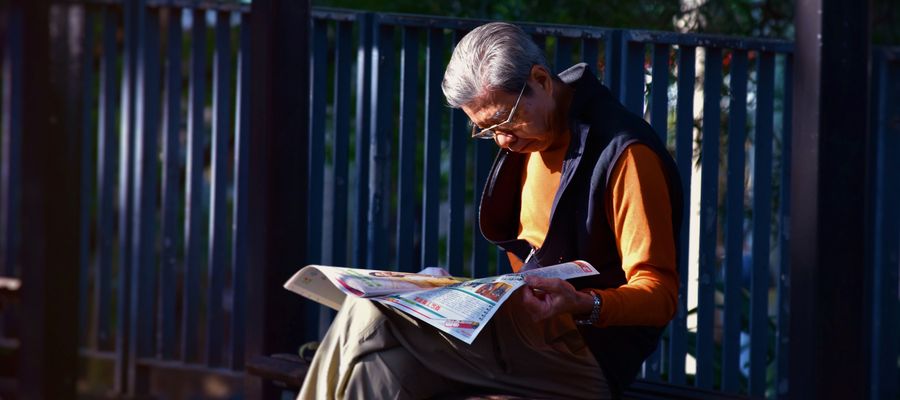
(504, 140)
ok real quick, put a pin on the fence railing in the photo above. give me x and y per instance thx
(884, 249)
(394, 182)
(164, 218)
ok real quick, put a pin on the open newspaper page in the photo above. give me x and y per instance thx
(457, 306)
(460, 310)
(329, 285)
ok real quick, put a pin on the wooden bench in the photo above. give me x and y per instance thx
(287, 371)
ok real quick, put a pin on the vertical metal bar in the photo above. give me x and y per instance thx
(457, 192)
(484, 149)
(434, 100)
(318, 85)
(684, 151)
(193, 202)
(171, 177)
(11, 38)
(146, 139)
(734, 223)
(877, 214)
(382, 98)
(886, 234)
(107, 153)
(708, 216)
(342, 82)
(782, 335)
(632, 95)
(11, 161)
(221, 132)
(614, 58)
(87, 170)
(126, 153)
(336, 245)
(240, 223)
(659, 92)
(762, 222)
(363, 113)
(562, 57)
(590, 53)
(406, 187)
(659, 110)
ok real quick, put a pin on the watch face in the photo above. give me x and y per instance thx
(595, 313)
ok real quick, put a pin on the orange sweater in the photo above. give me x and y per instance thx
(639, 212)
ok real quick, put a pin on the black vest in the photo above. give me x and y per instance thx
(601, 129)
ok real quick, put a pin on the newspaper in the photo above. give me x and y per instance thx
(458, 306)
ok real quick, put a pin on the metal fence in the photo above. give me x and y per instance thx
(394, 183)
(164, 213)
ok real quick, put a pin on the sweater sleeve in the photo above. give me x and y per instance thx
(640, 214)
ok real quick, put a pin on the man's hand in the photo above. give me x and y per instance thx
(434, 271)
(548, 297)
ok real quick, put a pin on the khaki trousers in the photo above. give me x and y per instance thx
(374, 352)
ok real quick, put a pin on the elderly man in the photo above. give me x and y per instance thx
(577, 177)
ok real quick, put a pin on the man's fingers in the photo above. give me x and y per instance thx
(547, 284)
(528, 299)
(533, 306)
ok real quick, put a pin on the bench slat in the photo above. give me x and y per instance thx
(287, 370)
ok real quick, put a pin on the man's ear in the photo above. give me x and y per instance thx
(543, 78)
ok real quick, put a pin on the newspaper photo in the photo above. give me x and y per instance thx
(458, 306)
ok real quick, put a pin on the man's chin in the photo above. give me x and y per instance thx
(529, 147)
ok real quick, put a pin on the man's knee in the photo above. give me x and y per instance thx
(392, 374)
(358, 317)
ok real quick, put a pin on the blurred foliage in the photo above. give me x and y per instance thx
(757, 18)
(767, 18)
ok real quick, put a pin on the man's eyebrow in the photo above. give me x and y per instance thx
(500, 114)
(498, 117)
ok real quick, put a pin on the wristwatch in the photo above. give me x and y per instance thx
(595, 312)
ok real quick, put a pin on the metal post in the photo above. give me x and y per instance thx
(828, 182)
(50, 212)
(277, 178)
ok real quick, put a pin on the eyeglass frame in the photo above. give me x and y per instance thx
(488, 133)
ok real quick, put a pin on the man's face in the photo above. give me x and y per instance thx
(529, 130)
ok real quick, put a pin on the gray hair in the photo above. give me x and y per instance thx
(493, 56)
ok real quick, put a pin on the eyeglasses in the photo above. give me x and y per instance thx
(488, 133)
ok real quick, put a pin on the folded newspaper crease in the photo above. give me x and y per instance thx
(458, 306)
